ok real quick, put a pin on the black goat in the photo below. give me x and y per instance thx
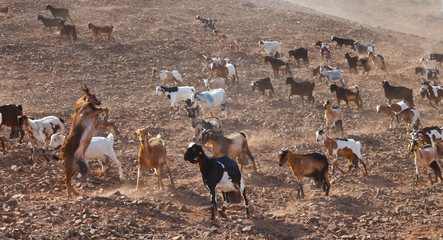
(263, 85)
(277, 65)
(218, 173)
(9, 114)
(302, 89)
(49, 22)
(402, 93)
(59, 12)
(344, 94)
(300, 53)
(353, 62)
(438, 57)
(344, 41)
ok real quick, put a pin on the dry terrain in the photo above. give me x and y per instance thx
(44, 74)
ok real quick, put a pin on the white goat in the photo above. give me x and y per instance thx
(176, 94)
(100, 148)
(211, 99)
(271, 48)
(216, 83)
(364, 49)
(331, 75)
(428, 63)
(40, 130)
(167, 76)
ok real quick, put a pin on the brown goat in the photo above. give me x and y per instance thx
(4, 10)
(103, 31)
(68, 30)
(313, 165)
(234, 145)
(225, 40)
(344, 94)
(377, 60)
(152, 154)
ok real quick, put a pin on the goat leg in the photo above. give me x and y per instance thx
(213, 204)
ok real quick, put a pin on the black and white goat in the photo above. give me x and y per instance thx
(433, 93)
(176, 94)
(300, 53)
(262, 85)
(428, 74)
(220, 174)
(207, 22)
(199, 125)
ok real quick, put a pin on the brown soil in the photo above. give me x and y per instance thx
(44, 74)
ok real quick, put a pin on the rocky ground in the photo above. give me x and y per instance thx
(44, 74)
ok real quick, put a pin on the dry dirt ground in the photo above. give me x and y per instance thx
(44, 74)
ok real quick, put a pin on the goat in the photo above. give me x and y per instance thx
(300, 53)
(272, 48)
(313, 165)
(344, 41)
(428, 63)
(428, 135)
(344, 94)
(218, 173)
(207, 22)
(10, 114)
(397, 93)
(152, 154)
(331, 75)
(263, 85)
(225, 40)
(211, 99)
(215, 83)
(437, 57)
(316, 71)
(347, 148)
(59, 12)
(428, 74)
(225, 70)
(40, 131)
(206, 62)
(364, 49)
(168, 76)
(2, 138)
(84, 121)
(199, 125)
(354, 62)
(433, 93)
(301, 89)
(333, 117)
(235, 144)
(104, 31)
(378, 61)
(277, 65)
(425, 157)
(411, 117)
(175, 94)
(49, 22)
(325, 50)
(391, 110)
(100, 148)
(68, 30)
(4, 10)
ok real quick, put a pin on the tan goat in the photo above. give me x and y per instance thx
(233, 145)
(152, 154)
(425, 157)
(377, 60)
(103, 31)
(226, 40)
(333, 116)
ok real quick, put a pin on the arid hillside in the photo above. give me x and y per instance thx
(44, 73)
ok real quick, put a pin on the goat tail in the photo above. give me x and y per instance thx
(159, 138)
(358, 90)
(110, 137)
(243, 134)
(436, 169)
(74, 35)
(61, 120)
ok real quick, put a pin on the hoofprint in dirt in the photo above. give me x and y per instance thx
(44, 74)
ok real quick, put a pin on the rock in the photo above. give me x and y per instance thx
(206, 234)
(247, 229)
(11, 202)
(133, 222)
(70, 233)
